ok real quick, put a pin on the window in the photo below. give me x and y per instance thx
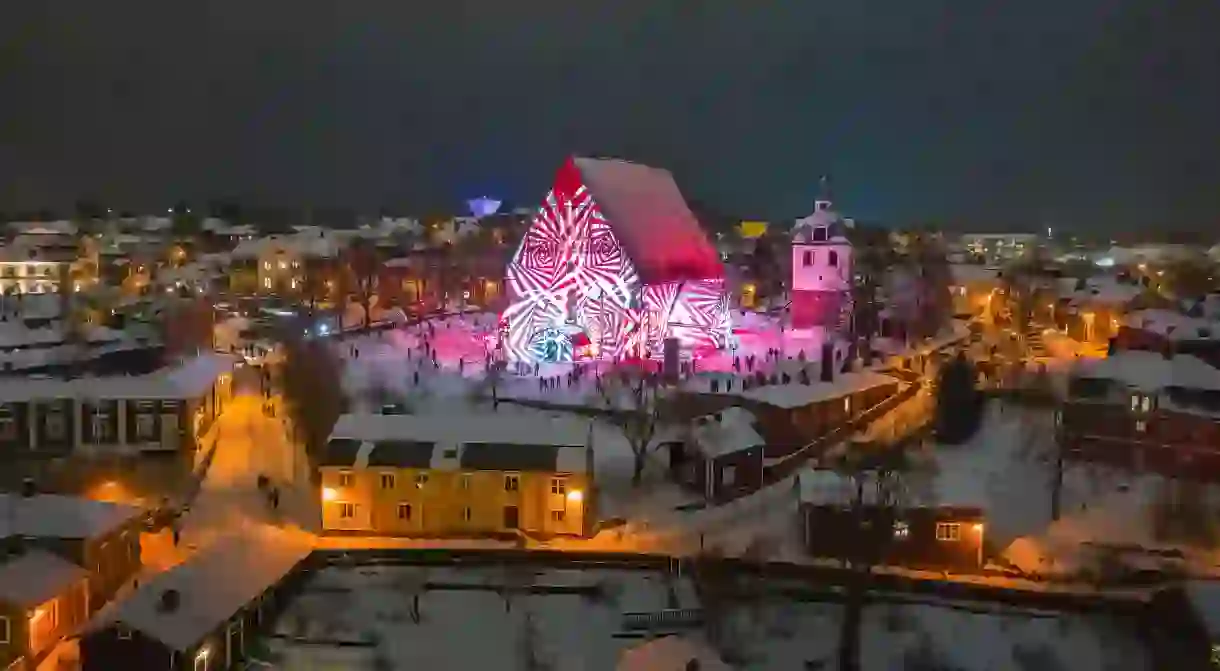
(1141, 426)
(99, 425)
(266, 282)
(807, 260)
(559, 486)
(1141, 403)
(466, 514)
(558, 515)
(847, 404)
(728, 476)
(387, 481)
(511, 483)
(421, 479)
(8, 428)
(124, 634)
(145, 429)
(902, 530)
(347, 510)
(404, 511)
(833, 258)
(464, 482)
(201, 659)
(5, 633)
(345, 479)
(266, 265)
(948, 531)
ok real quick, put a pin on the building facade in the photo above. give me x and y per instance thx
(403, 475)
(822, 271)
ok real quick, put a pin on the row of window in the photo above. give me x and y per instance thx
(950, 532)
(406, 511)
(102, 429)
(832, 258)
(512, 482)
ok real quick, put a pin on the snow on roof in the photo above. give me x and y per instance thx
(35, 577)
(823, 487)
(1152, 371)
(189, 379)
(968, 273)
(732, 431)
(796, 395)
(651, 220)
(467, 428)
(60, 227)
(1173, 325)
(1105, 290)
(1204, 597)
(60, 516)
(670, 653)
(211, 586)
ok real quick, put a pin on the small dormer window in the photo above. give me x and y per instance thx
(819, 234)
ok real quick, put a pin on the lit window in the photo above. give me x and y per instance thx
(387, 481)
(902, 530)
(283, 265)
(266, 265)
(347, 510)
(404, 511)
(1146, 404)
(465, 481)
(847, 404)
(345, 479)
(948, 531)
(421, 479)
(1141, 426)
(466, 514)
(559, 486)
(511, 483)
(266, 282)
(558, 515)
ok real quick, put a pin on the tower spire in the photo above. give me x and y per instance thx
(825, 199)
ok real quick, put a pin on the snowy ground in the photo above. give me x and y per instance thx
(460, 346)
(468, 624)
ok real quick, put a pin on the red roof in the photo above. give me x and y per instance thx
(649, 217)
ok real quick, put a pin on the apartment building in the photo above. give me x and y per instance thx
(411, 475)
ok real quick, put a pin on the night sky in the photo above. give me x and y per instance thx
(1081, 113)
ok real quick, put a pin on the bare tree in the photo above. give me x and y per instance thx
(636, 411)
(412, 583)
(361, 261)
(310, 381)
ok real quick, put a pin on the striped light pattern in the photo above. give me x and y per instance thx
(570, 273)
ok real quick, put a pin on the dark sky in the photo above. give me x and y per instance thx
(1093, 113)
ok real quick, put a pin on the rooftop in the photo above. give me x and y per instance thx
(35, 577)
(1152, 371)
(210, 586)
(730, 430)
(1173, 325)
(60, 516)
(188, 379)
(500, 428)
(796, 395)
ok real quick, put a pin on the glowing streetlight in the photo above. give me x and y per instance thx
(576, 496)
(329, 494)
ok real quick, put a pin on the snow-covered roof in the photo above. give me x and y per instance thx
(35, 577)
(306, 242)
(1152, 371)
(210, 586)
(670, 653)
(60, 516)
(649, 217)
(730, 430)
(823, 487)
(60, 227)
(796, 395)
(187, 380)
(466, 428)
(969, 273)
(1173, 325)
(1106, 290)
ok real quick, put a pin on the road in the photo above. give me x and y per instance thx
(249, 443)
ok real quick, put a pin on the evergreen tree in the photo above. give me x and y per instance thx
(959, 405)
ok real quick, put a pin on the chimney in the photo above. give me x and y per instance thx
(29, 489)
(828, 362)
(169, 601)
